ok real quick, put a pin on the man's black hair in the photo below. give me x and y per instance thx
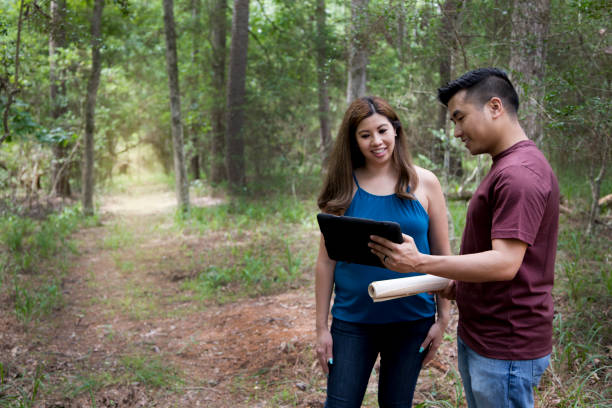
(481, 85)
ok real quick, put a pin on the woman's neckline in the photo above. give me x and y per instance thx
(366, 191)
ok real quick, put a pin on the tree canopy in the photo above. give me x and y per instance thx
(409, 48)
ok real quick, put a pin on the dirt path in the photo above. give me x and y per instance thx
(129, 336)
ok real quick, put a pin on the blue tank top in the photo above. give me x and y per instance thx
(352, 302)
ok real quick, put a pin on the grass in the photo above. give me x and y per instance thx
(119, 237)
(151, 371)
(263, 249)
(251, 271)
(125, 183)
(140, 301)
(580, 370)
(241, 214)
(580, 367)
(457, 210)
(574, 183)
(36, 302)
(34, 257)
(19, 395)
(27, 244)
(248, 247)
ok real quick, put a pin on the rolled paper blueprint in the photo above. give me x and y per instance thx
(397, 288)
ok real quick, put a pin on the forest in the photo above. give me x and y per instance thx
(160, 163)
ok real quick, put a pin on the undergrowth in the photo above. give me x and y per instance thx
(33, 258)
(264, 248)
(581, 363)
(34, 255)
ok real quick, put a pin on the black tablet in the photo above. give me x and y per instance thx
(347, 238)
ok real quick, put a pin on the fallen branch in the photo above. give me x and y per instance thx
(460, 195)
(605, 201)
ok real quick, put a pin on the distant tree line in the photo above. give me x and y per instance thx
(246, 93)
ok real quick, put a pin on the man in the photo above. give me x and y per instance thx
(504, 275)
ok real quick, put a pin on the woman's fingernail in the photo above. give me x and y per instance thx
(421, 350)
(330, 361)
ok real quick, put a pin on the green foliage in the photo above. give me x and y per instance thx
(22, 123)
(119, 237)
(579, 94)
(245, 213)
(33, 303)
(584, 292)
(151, 371)
(263, 252)
(14, 232)
(89, 383)
(252, 272)
(17, 396)
(27, 243)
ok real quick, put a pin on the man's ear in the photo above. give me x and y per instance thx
(496, 107)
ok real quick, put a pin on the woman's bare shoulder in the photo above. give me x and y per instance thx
(426, 177)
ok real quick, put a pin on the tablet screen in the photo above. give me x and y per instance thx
(347, 238)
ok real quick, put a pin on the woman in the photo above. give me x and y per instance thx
(370, 175)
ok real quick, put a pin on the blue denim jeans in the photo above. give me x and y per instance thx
(355, 348)
(491, 383)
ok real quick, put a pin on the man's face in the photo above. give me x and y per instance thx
(472, 123)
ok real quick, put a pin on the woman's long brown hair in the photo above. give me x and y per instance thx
(337, 192)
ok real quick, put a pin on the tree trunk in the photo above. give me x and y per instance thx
(358, 51)
(401, 32)
(90, 107)
(500, 27)
(180, 173)
(195, 51)
(57, 93)
(218, 31)
(322, 75)
(595, 183)
(530, 20)
(450, 14)
(234, 140)
(14, 88)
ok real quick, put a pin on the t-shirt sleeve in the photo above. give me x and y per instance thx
(520, 201)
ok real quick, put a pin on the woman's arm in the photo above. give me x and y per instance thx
(324, 282)
(439, 245)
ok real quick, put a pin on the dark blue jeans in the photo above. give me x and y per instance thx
(355, 349)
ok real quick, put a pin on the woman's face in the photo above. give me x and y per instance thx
(376, 139)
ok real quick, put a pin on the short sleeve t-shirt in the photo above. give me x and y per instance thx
(518, 199)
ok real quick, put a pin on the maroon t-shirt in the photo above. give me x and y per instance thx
(518, 199)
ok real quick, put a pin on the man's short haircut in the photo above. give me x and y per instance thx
(481, 85)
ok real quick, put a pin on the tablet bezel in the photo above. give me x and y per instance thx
(346, 238)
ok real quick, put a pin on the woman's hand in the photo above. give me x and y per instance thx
(450, 292)
(404, 257)
(324, 348)
(434, 339)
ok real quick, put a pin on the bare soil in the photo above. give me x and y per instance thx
(124, 304)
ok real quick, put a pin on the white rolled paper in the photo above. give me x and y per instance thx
(412, 285)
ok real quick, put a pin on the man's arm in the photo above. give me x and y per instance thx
(501, 263)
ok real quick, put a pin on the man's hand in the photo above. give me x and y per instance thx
(404, 257)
